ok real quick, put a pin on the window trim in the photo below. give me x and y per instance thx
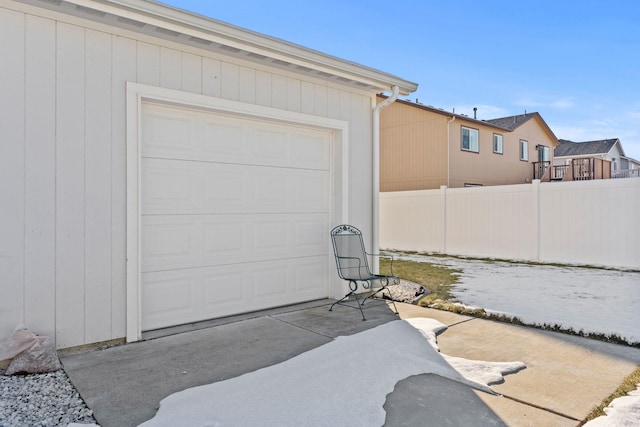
(524, 154)
(501, 151)
(477, 150)
(545, 149)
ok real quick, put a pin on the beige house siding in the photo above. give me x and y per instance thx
(413, 149)
(482, 167)
(488, 168)
(414, 154)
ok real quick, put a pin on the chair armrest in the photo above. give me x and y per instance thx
(351, 257)
(384, 256)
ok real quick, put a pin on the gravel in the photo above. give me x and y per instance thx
(41, 400)
(408, 292)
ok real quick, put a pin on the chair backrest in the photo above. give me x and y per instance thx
(351, 257)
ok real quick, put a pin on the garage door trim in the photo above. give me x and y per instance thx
(137, 94)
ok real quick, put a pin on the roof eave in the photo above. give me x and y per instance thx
(183, 26)
(547, 129)
(449, 114)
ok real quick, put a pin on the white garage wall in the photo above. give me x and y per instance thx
(62, 158)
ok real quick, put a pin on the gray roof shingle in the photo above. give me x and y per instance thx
(511, 122)
(571, 148)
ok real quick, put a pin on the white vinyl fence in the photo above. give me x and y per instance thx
(581, 222)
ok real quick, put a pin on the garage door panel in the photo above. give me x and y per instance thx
(199, 136)
(310, 234)
(271, 235)
(226, 290)
(167, 133)
(283, 190)
(175, 186)
(223, 186)
(166, 185)
(210, 240)
(270, 280)
(223, 142)
(310, 150)
(311, 192)
(224, 238)
(270, 146)
(222, 288)
(269, 190)
(167, 298)
(309, 276)
(173, 241)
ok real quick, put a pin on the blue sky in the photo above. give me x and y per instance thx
(576, 63)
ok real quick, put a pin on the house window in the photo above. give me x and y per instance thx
(524, 150)
(497, 143)
(469, 139)
(543, 153)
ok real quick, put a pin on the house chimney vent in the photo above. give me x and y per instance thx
(475, 110)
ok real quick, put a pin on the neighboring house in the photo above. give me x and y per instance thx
(600, 159)
(423, 147)
(160, 168)
(629, 168)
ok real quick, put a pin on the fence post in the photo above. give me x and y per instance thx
(535, 190)
(443, 198)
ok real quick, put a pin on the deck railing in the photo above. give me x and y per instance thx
(540, 169)
(580, 169)
(626, 173)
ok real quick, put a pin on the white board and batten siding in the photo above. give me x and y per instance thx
(63, 179)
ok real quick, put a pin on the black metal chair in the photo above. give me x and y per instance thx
(353, 266)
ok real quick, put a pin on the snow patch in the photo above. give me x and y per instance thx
(344, 382)
(622, 412)
(590, 300)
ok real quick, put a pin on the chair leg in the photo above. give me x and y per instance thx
(381, 291)
(340, 300)
(393, 302)
(360, 307)
(354, 287)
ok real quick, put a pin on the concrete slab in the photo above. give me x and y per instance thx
(566, 375)
(431, 400)
(521, 414)
(341, 321)
(435, 401)
(180, 329)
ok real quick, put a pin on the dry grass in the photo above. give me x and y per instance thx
(438, 280)
(629, 384)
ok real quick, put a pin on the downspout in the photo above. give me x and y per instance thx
(376, 171)
(453, 118)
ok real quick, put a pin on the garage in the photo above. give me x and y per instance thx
(234, 214)
(164, 168)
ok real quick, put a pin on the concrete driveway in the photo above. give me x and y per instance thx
(565, 377)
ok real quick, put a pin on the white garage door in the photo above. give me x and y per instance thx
(235, 215)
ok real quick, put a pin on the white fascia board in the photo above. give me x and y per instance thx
(190, 24)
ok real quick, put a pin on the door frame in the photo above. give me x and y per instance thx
(136, 95)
